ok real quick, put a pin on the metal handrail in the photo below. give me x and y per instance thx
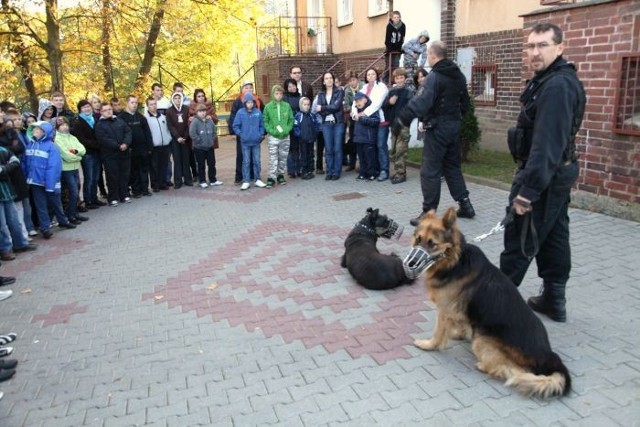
(328, 70)
(252, 68)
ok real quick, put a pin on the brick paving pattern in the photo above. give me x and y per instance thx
(228, 308)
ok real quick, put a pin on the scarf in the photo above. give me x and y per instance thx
(88, 118)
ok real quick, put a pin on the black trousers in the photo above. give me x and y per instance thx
(441, 157)
(551, 220)
(159, 165)
(181, 157)
(206, 159)
(117, 167)
(140, 168)
(319, 151)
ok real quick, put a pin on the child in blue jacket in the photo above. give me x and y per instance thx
(365, 134)
(306, 127)
(249, 127)
(42, 167)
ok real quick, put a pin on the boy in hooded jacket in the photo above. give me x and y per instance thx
(365, 135)
(306, 127)
(178, 123)
(42, 167)
(202, 131)
(71, 152)
(278, 122)
(249, 127)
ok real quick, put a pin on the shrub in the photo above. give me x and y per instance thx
(471, 133)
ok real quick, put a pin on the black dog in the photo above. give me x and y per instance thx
(369, 267)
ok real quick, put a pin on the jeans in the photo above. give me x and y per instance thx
(42, 200)
(383, 149)
(333, 134)
(27, 212)
(250, 157)
(240, 162)
(10, 228)
(206, 159)
(441, 156)
(91, 167)
(71, 179)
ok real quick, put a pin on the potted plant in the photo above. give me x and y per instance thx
(311, 32)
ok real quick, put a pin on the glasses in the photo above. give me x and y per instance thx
(296, 72)
(539, 46)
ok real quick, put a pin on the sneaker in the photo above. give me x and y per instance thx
(383, 176)
(271, 183)
(360, 178)
(54, 223)
(127, 200)
(216, 183)
(260, 184)
(113, 203)
(372, 178)
(4, 295)
(7, 280)
(6, 339)
(308, 175)
(5, 351)
(28, 248)
(281, 180)
(33, 233)
(398, 179)
(203, 185)
(245, 186)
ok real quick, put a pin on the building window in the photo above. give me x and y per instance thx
(345, 12)
(484, 84)
(377, 7)
(626, 116)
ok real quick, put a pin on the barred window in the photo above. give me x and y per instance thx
(484, 84)
(626, 117)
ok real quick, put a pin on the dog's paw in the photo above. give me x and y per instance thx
(427, 345)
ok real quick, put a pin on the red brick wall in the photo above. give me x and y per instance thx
(596, 35)
(503, 49)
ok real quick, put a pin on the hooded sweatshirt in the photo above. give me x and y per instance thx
(42, 163)
(395, 36)
(248, 125)
(414, 46)
(202, 133)
(178, 118)
(278, 116)
(43, 105)
(71, 151)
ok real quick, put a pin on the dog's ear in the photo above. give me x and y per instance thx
(449, 218)
(431, 214)
(369, 210)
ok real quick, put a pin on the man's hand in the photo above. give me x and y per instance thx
(123, 147)
(393, 99)
(521, 205)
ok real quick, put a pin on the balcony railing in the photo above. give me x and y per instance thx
(288, 35)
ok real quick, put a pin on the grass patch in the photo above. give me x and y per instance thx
(489, 164)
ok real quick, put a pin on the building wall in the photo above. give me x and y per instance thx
(503, 49)
(597, 33)
(478, 16)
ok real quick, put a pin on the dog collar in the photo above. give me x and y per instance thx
(364, 228)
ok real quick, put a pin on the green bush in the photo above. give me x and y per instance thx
(471, 133)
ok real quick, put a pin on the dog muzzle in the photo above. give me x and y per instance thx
(418, 261)
(394, 230)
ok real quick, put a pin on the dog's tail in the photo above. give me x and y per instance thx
(551, 379)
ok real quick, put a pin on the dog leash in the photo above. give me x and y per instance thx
(527, 226)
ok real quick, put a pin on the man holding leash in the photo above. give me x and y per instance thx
(442, 104)
(543, 145)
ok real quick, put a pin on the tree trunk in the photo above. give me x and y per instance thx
(150, 47)
(105, 40)
(21, 60)
(54, 52)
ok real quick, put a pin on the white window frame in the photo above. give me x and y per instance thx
(377, 8)
(345, 12)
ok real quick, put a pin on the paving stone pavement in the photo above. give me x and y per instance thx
(228, 308)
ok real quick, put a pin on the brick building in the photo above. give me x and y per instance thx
(486, 39)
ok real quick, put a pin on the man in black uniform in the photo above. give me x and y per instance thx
(543, 145)
(441, 106)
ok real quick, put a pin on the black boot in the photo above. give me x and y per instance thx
(551, 302)
(466, 209)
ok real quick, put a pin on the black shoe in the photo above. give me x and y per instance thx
(7, 280)
(147, 194)
(335, 178)
(6, 374)
(189, 184)
(177, 186)
(551, 302)
(281, 180)
(47, 234)
(328, 178)
(136, 195)
(308, 175)
(75, 221)
(68, 226)
(169, 184)
(415, 221)
(466, 209)
(100, 203)
(155, 189)
(8, 363)
(271, 183)
(319, 171)
(82, 218)
(30, 247)
(398, 179)
(93, 206)
(83, 208)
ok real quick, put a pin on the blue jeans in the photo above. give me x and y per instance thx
(383, 149)
(91, 172)
(10, 228)
(26, 210)
(43, 199)
(333, 136)
(250, 155)
(71, 179)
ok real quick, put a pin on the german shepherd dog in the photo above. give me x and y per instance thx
(476, 300)
(365, 263)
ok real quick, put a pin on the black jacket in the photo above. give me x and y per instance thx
(86, 135)
(141, 141)
(390, 111)
(394, 37)
(552, 108)
(111, 133)
(444, 97)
